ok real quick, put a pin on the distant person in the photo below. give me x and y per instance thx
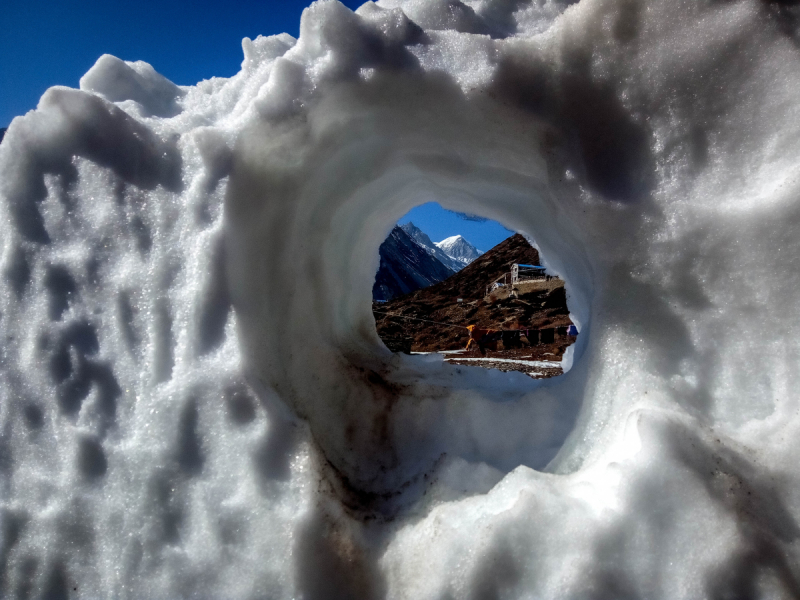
(483, 338)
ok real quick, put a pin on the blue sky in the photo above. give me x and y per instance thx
(45, 43)
(439, 223)
(54, 43)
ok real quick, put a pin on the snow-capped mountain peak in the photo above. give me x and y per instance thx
(406, 266)
(459, 249)
(421, 238)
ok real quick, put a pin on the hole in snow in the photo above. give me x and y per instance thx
(428, 294)
(391, 431)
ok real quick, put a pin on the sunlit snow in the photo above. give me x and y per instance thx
(194, 401)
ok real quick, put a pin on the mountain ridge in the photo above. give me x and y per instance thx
(405, 266)
(459, 249)
(410, 261)
(425, 241)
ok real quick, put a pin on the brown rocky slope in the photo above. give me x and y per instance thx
(398, 321)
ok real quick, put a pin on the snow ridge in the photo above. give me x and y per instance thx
(406, 266)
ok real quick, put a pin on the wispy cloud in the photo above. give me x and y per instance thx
(469, 217)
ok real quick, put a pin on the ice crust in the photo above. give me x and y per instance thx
(194, 401)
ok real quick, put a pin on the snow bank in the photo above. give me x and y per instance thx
(194, 401)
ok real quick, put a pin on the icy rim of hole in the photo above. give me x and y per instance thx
(159, 345)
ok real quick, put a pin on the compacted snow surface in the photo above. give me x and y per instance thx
(193, 398)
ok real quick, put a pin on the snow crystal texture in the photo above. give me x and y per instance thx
(194, 401)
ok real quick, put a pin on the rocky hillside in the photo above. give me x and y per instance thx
(471, 281)
(538, 307)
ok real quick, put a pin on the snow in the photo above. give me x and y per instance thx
(543, 364)
(194, 401)
(459, 249)
(423, 240)
(533, 368)
(449, 241)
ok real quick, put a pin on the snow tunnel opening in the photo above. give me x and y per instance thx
(492, 305)
(308, 330)
(497, 419)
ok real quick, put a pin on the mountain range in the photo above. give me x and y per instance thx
(410, 261)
